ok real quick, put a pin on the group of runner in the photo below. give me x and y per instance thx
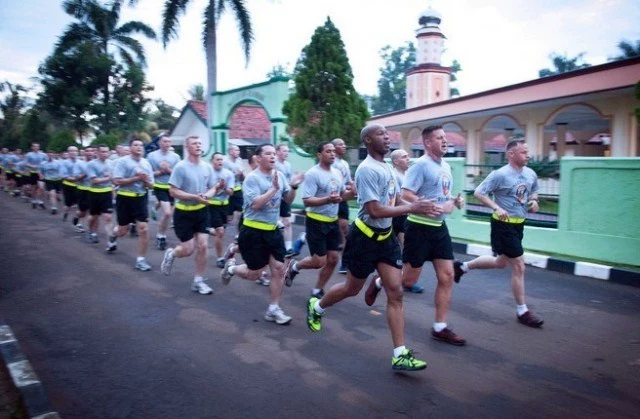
(400, 225)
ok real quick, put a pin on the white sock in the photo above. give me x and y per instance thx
(198, 279)
(398, 351)
(139, 258)
(294, 267)
(317, 308)
(521, 309)
(378, 283)
(465, 267)
(230, 269)
(287, 244)
(439, 326)
(161, 236)
(273, 307)
(316, 290)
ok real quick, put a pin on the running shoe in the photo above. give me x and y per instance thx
(314, 319)
(201, 288)
(54, 211)
(225, 276)
(277, 316)
(161, 243)
(112, 246)
(229, 252)
(167, 262)
(220, 263)
(342, 269)
(41, 206)
(318, 294)
(372, 292)
(448, 336)
(407, 362)
(289, 273)
(415, 289)
(79, 228)
(93, 238)
(264, 279)
(142, 265)
(530, 319)
(457, 271)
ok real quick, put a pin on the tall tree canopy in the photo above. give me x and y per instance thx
(214, 9)
(12, 106)
(563, 64)
(628, 50)
(325, 104)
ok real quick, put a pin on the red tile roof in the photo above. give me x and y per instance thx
(248, 122)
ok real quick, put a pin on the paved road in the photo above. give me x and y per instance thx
(111, 342)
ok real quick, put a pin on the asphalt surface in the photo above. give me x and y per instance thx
(108, 341)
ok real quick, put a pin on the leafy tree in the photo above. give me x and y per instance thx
(325, 104)
(455, 69)
(35, 127)
(12, 107)
(196, 92)
(392, 84)
(279, 71)
(165, 115)
(62, 139)
(563, 64)
(214, 9)
(628, 50)
(98, 26)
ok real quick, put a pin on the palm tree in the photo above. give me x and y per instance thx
(563, 64)
(214, 9)
(196, 92)
(98, 26)
(628, 50)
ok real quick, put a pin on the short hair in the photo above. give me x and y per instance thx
(426, 133)
(320, 147)
(514, 143)
(337, 140)
(186, 140)
(135, 138)
(280, 145)
(396, 153)
(365, 131)
(101, 145)
(261, 147)
(217, 153)
(232, 147)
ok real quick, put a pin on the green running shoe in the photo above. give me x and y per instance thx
(407, 362)
(314, 319)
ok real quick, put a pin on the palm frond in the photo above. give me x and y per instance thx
(76, 8)
(172, 11)
(209, 23)
(77, 33)
(136, 26)
(134, 45)
(126, 57)
(243, 20)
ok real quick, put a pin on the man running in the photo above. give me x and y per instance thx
(50, 174)
(233, 162)
(343, 208)
(133, 175)
(162, 162)
(219, 208)
(33, 160)
(371, 245)
(99, 172)
(322, 191)
(260, 242)
(515, 193)
(69, 186)
(192, 185)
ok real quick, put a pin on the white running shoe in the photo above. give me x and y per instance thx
(277, 316)
(201, 288)
(167, 261)
(225, 276)
(143, 265)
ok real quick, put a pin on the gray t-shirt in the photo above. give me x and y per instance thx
(128, 167)
(97, 168)
(319, 183)
(257, 183)
(510, 188)
(194, 178)
(156, 158)
(50, 170)
(429, 179)
(284, 168)
(229, 183)
(34, 159)
(234, 167)
(66, 168)
(344, 169)
(375, 182)
(79, 170)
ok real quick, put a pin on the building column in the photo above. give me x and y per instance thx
(561, 135)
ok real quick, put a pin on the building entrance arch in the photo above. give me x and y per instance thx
(269, 95)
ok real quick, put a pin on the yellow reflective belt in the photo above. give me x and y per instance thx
(237, 188)
(424, 220)
(370, 233)
(218, 203)
(69, 183)
(34, 172)
(83, 188)
(101, 190)
(161, 186)
(185, 207)
(129, 194)
(259, 225)
(320, 217)
(510, 220)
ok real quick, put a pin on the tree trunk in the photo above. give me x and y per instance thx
(212, 75)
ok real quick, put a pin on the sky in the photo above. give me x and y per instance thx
(497, 42)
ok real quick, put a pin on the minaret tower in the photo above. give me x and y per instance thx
(428, 81)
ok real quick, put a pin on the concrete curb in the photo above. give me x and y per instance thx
(578, 268)
(25, 379)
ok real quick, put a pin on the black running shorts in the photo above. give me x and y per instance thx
(322, 236)
(506, 238)
(426, 243)
(362, 255)
(131, 209)
(236, 200)
(257, 246)
(100, 203)
(163, 195)
(69, 194)
(187, 223)
(218, 215)
(343, 210)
